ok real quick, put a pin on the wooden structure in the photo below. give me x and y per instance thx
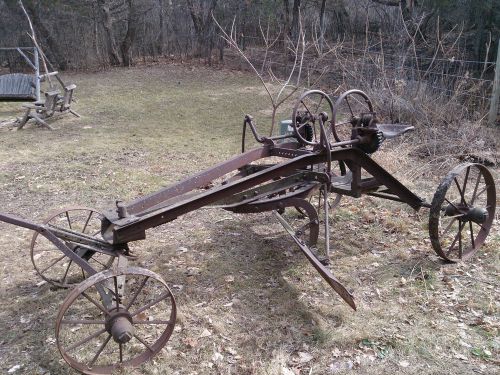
(54, 104)
(20, 86)
(40, 111)
(16, 86)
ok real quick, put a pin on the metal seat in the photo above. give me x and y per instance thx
(394, 130)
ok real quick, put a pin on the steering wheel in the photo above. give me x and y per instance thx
(352, 107)
(306, 116)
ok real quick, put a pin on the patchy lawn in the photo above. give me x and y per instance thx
(248, 301)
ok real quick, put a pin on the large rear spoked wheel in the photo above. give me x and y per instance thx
(462, 212)
(55, 267)
(115, 319)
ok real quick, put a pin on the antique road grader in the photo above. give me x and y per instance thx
(118, 315)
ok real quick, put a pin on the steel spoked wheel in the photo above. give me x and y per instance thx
(306, 116)
(462, 212)
(351, 108)
(115, 319)
(55, 267)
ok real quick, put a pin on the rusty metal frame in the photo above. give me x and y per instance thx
(249, 183)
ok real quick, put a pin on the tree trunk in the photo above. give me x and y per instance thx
(54, 52)
(295, 19)
(127, 43)
(286, 6)
(202, 23)
(107, 22)
(161, 39)
(322, 26)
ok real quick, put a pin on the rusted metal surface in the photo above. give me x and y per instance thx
(462, 212)
(57, 269)
(328, 153)
(118, 320)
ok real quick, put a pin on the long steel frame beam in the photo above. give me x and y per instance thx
(133, 227)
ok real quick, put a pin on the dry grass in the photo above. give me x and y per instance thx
(266, 310)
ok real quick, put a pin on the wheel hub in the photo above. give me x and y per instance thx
(476, 214)
(119, 325)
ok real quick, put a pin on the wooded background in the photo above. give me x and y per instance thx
(82, 34)
(406, 53)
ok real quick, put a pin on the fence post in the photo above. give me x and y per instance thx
(492, 117)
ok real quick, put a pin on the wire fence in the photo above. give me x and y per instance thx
(469, 80)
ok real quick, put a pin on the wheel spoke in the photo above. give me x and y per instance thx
(473, 199)
(349, 105)
(319, 104)
(448, 226)
(86, 340)
(460, 251)
(472, 235)
(134, 297)
(482, 228)
(481, 192)
(87, 222)
(66, 272)
(81, 321)
(466, 178)
(69, 221)
(97, 261)
(104, 310)
(462, 197)
(307, 109)
(302, 125)
(117, 296)
(52, 264)
(143, 342)
(147, 322)
(99, 351)
(459, 235)
(158, 300)
(451, 204)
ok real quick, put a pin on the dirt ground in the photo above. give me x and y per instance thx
(248, 301)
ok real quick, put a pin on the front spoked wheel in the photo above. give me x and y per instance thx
(462, 212)
(115, 319)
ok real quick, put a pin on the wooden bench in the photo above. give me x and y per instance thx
(64, 102)
(17, 87)
(40, 111)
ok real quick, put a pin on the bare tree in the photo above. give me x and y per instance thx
(107, 19)
(201, 13)
(286, 87)
(130, 35)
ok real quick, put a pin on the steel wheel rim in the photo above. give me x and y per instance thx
(335, 124)
(441, 224)
(297, 128)
(149, 350)
(92, 216)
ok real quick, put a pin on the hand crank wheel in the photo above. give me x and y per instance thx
(115, 319)
(351, 107)
(462, 212)
(51, 264)
(306, 113)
